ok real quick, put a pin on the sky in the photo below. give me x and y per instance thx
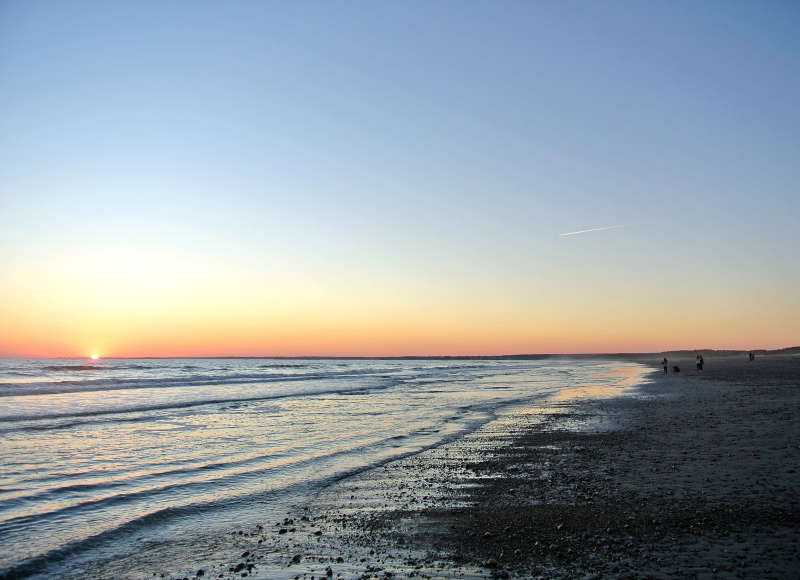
(394, 178)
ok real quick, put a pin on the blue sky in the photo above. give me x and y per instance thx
(447, 141)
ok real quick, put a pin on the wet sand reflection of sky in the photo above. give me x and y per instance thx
(623, 379)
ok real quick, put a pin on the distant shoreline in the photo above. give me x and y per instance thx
(789, 350)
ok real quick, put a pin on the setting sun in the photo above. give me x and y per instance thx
(95, 356)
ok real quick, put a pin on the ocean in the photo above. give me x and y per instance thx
(99, 460)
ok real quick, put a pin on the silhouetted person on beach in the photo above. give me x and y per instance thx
(700, 362)
(751, 355)
(697, 364)
(665, 364)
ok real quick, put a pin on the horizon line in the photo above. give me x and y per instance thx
(432, 356)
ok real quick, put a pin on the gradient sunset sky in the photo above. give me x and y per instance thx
(390, 178)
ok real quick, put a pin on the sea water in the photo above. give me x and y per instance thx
(98, 459)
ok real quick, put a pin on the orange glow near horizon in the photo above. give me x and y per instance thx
(358, 333)
(366, 329)
(152, 305)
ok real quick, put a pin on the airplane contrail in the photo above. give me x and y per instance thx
(590, 230)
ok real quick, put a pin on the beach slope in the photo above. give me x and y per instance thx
(690, 475)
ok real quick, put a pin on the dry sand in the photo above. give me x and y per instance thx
(694, 475)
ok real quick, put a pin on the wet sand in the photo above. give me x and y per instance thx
(692, 475)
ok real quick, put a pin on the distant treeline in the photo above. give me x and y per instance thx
(790, 350)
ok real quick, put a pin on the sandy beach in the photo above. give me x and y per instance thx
(690, 475)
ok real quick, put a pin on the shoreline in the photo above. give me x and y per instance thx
(692, 476)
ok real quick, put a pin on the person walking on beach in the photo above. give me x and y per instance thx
(702, 362)
(697, 364)
(665, 364)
